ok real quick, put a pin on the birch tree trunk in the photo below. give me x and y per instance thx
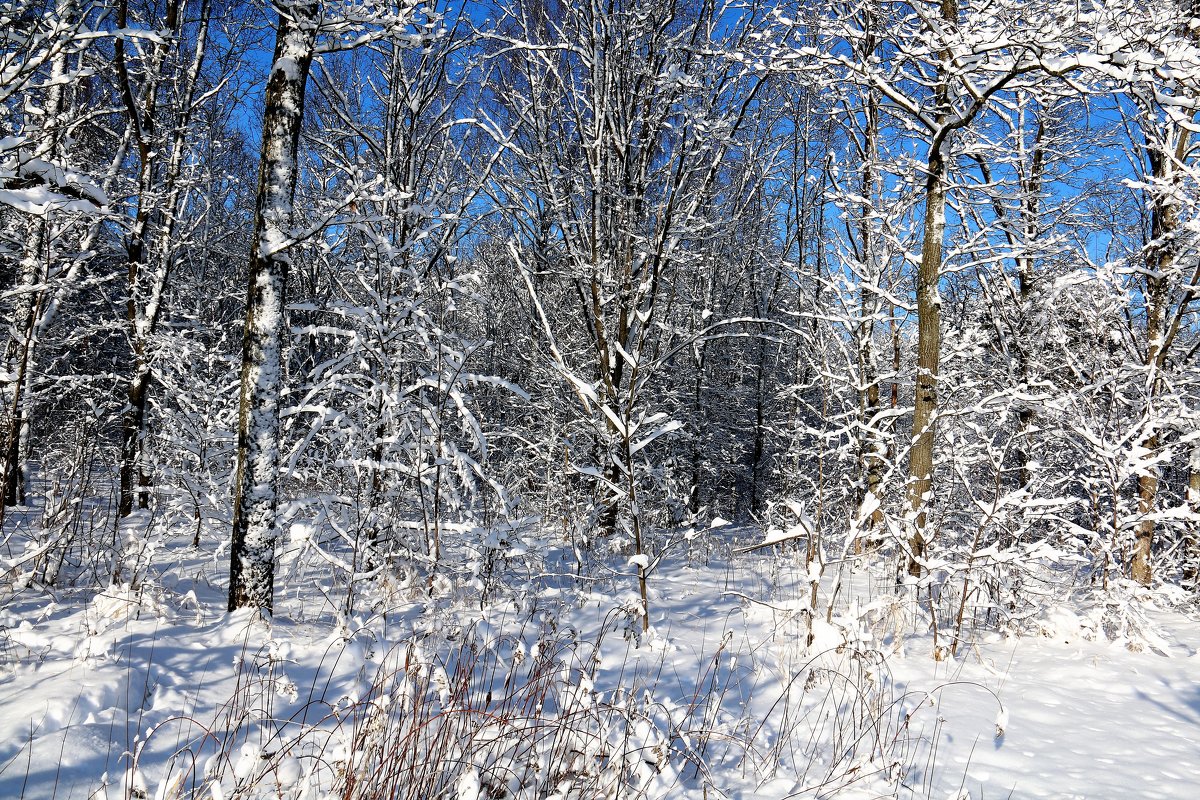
(252, 556)
(20, 356)
(35, 263)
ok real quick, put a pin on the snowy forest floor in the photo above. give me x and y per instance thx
(549, 689)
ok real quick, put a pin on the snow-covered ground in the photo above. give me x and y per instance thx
(725, 697)
(1084, 719)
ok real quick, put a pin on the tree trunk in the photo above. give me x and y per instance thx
(1140, 568)
(1164, 225)
(920, 469)
(32, 269)
(872, 450)
(142, 313)
(1147, 488)
(252, 555)
(1191, 554)
(1030, 207)
(699, 428)
(132, 424)
(929, 315)
(24, 317)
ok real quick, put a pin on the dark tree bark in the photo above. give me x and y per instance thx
(929, 315)
(159, 193)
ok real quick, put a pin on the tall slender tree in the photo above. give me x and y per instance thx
(161, 151)
(963, 56)
(1166, 282)
(252, 554)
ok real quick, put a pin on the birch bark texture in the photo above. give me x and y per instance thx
(33, 265)
(252, 552)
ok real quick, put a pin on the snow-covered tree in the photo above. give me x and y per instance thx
(940, 70)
